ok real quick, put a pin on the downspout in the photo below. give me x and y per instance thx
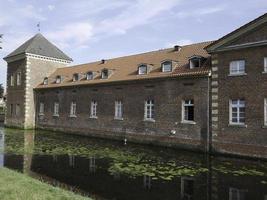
(209, 135)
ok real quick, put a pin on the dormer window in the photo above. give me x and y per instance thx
(75, 77)
(45, 81)
(58, 79)
(89, 75)
(104, 74)
(142, 69)
(166, 66)
(195, 62)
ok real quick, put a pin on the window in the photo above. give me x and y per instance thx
(236, 194)
(58, 79)
(188, 110)
(41, 108)
(12, 80)
(75, 77)
(195, 62)
(56, 109)
(265, 112)
(265, 64)
(93, 109)
(118, 110)
(237, 67)
(89, 76)
(17, 110)
(19, 78)
(73, 109)
(11, 109)
(149, 110)
(166, 66)
(104, 74)
(142, 69)
(45, 81)
(237, 111)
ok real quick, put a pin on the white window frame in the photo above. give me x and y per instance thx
(45, 81)
(93, 110)
(73, 109)
(149, 110)
(140, 71)
(166, 63)
(103, 72)
(235, 67)
(41, 108)
(12, 80)
(75, 77)
(56, 109)
(19, 78)
(17, 110)
(265, 111)
(184, 104)
(89, 74)
(265, 65)
(193, 61)
(238, 106)
(118, 110)
(58, 79)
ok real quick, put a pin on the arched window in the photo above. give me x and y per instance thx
(75, 77)
(58, 79)
(45, 81)
(166, 66)
(142, 69)
(89, 75)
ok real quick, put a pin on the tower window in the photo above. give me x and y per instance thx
(19, 78)
(11, 80)
(166, 66)
(142, 69)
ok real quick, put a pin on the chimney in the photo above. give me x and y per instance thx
(177, 48)
(103, 61)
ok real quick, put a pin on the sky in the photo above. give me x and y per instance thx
(90, 30)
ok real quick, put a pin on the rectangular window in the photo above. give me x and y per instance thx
(118, 110)
(41, 108)
(265, 112)
(188, 110)
(17, 110)
(187, 188)
(265, 64)
(237, 67)
(56, 109)
(18, 78)
(73, 109)
(93, 113)
(11, 109)
(12, 80)
(149, 110)
(237, 111)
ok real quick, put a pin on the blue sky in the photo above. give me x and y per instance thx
(89, 30)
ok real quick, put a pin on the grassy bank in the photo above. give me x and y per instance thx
(17, 186)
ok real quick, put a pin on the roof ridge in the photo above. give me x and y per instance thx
(137, 54)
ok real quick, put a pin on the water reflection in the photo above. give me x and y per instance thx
(111, 170)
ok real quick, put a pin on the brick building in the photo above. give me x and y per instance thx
(161, 97)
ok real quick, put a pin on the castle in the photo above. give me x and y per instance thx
(209, 96)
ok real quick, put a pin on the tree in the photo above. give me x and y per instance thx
(1, 90)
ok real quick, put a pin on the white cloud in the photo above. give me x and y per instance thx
(200, 12)
(51, 7)
(75, 34)
(179, 42)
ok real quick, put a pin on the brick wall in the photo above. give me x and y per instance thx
(167, 94)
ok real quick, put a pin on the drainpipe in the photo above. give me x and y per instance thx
(209, 135)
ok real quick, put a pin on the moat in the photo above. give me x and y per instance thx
(109, 170)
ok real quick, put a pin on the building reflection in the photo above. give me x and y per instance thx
(92, 175)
